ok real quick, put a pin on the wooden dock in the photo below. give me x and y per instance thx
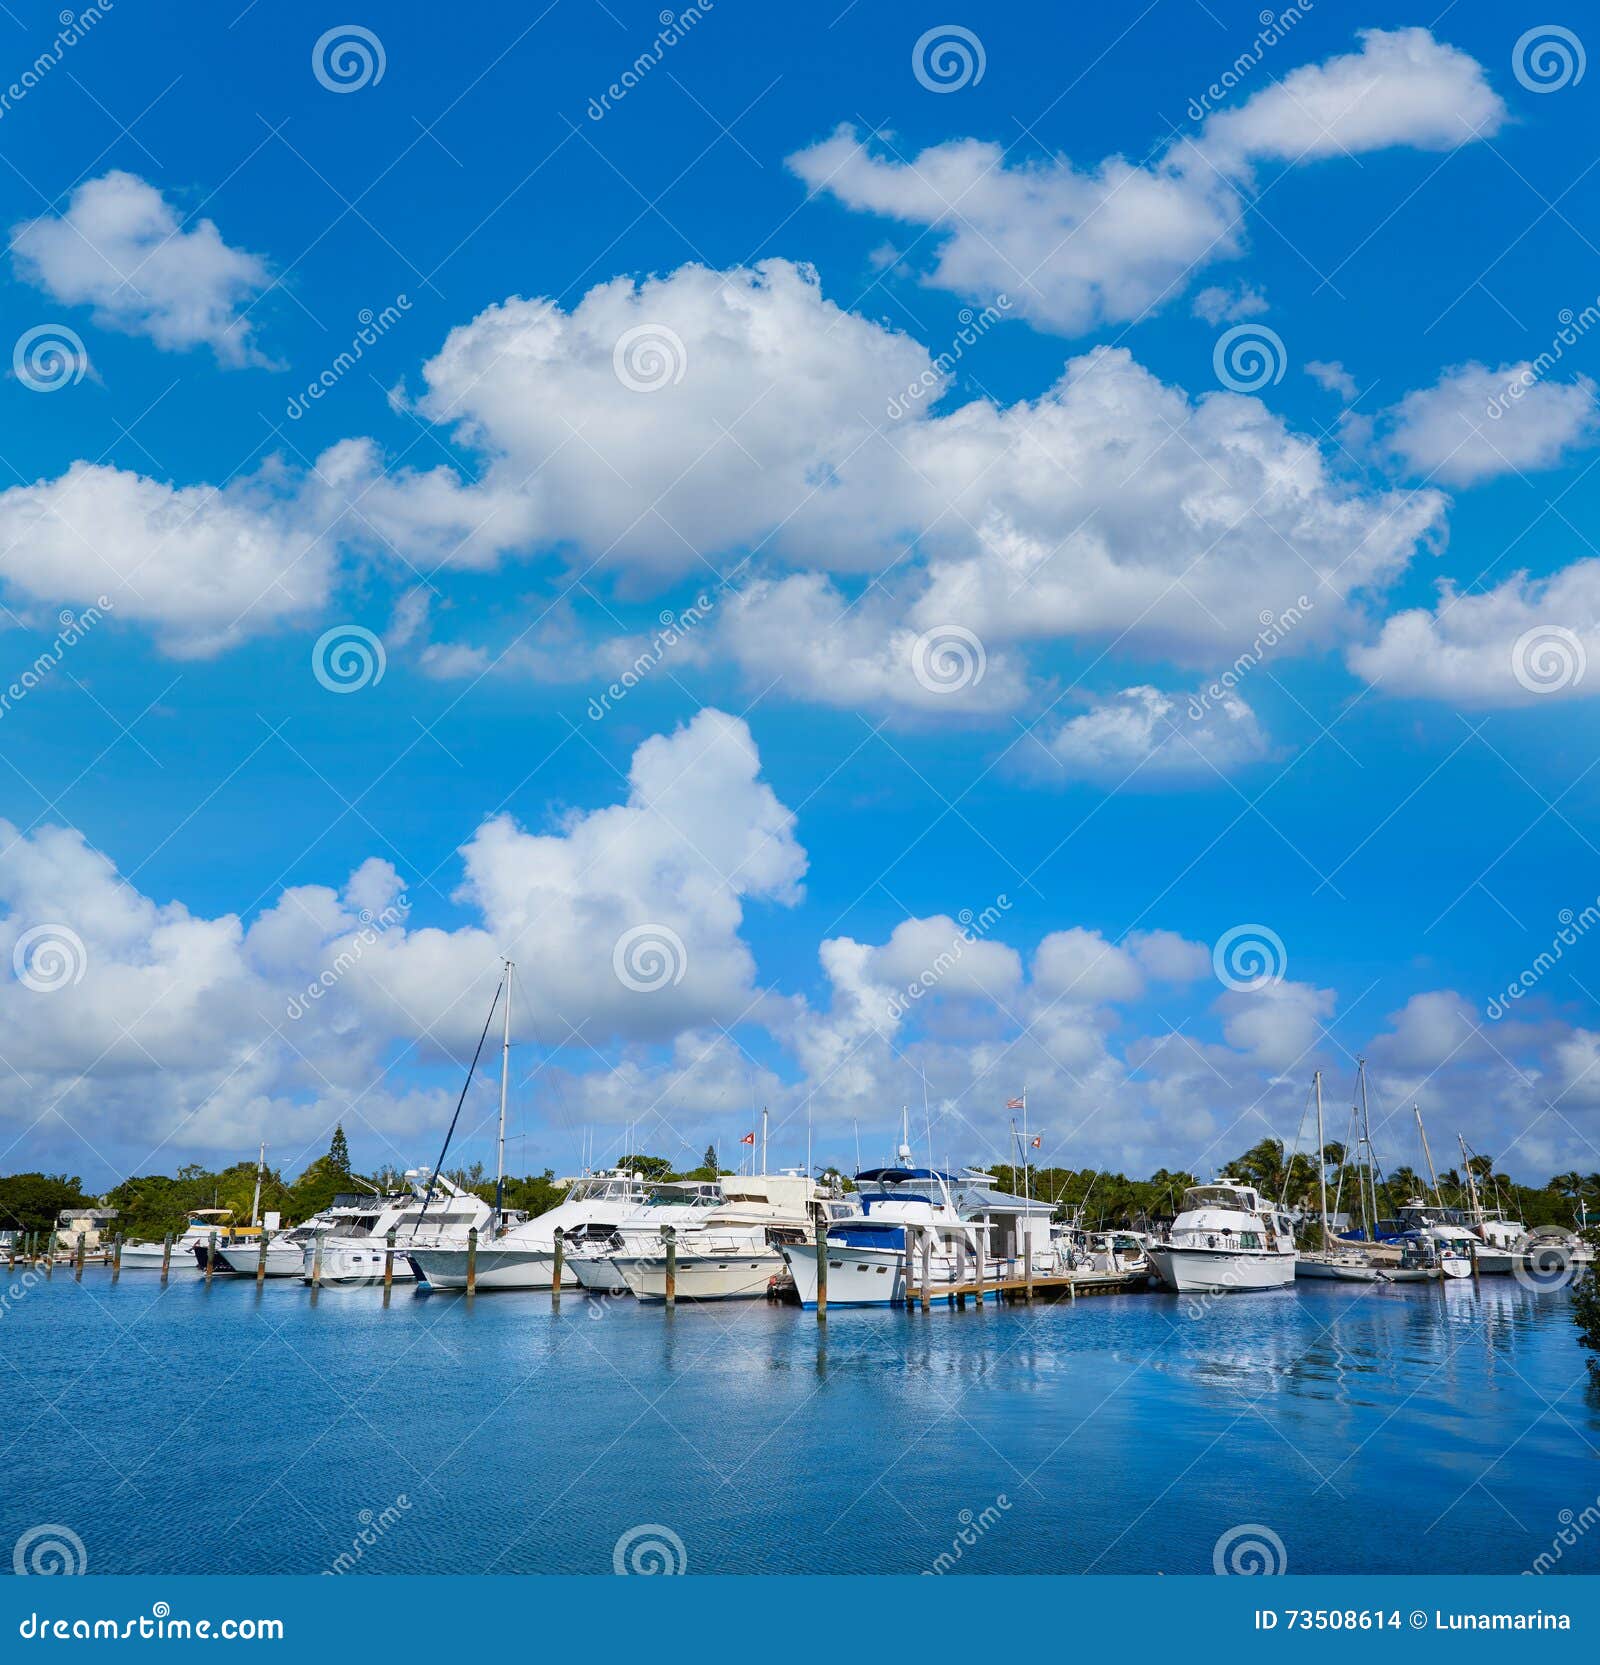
(1010, 1288)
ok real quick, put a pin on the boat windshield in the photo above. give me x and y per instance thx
(1218, 1196)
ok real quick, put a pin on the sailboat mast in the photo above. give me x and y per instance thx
(763, 1139)
(1372, 1155)
(1472, 1182)
(1427, 1155)
(255, 1201)
(505, 1076)
(1322, 1163)
(1027, 1183)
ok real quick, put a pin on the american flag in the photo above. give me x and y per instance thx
(1015, 1104)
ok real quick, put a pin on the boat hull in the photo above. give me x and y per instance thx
(1334, 1271)
(353, 1261)
(598, 1275)
(736, 1275)
(1220, 1271)
(856, 1277)
(287, 1261)
(498, 1268)
(147, 1257)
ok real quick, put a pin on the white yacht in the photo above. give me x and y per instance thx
(1224, 1238)
(196, 1234)
(525, 1256)
(866, 1246)
(1448, 1241)
(680, 1203)
(352, 1236)
(737, 1249)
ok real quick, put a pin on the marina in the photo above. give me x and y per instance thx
(1126, 1433)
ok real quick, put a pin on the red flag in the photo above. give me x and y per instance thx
(748, 1139)
(1014, 1104)
(1037, 1141)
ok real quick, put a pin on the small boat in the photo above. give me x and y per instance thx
(191, 1242)
(592, 1248)
(1225, 1238)
(866, 1247)
(1340, 1265)
(736, 1253)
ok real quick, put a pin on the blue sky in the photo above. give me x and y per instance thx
(627, 351)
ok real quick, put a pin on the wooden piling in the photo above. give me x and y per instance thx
(166, 1256)
(211, 1255)
(1027, 1269)
(472, 1261)
(980, 1272)
(907, 1293)
(316, 1265)
(959, 1299)
(822, 1272)
(50, 1256)
(388, 1266)
(558, 1270)
(11, 1255)
(671, 1235)
(116, 1257)
(927, 1252)
(261, 1261)
(77, 1259)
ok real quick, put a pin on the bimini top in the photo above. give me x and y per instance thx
(898, 1176)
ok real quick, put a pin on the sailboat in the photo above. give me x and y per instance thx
(1341, 1265)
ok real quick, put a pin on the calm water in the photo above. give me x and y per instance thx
(222, 1430)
